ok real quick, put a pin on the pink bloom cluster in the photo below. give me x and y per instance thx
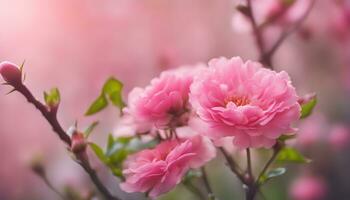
(254, 104)
(164, 102)
(228, 99)
(158, 170)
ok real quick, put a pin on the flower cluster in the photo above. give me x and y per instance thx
(229, 99)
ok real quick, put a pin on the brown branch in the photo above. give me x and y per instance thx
(268, 55)
(259, 40)
(51, 116)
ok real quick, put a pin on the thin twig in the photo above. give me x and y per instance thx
(233, 166)
(257, 33)
(267, 165)
(93, 175)
(207, 184)
(51, 117)
(268, 55)
(249, 163)
(194, 190)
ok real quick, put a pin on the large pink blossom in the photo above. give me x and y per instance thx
(254, 104)
(164, 103)
(159, 170)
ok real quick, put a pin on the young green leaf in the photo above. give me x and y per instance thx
(89, 129)
(113, 89)
(118, 156)
(117, 171)
(99, 104)
(272, 174)
(307, 108)
(291, 155)
(52, 98)
(110, 142)
(99, 153)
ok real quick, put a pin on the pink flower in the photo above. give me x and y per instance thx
(159, 170)
(10, 73)
(308, 188)
(244, 100)
(164, 103)
(339, 137)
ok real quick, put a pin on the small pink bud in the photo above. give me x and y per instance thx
(78, 143)
(10, 73)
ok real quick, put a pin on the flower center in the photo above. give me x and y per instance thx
(238, 101)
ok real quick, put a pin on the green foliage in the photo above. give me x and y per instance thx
(192, 174)
(272, 174)
(117, 151)
(99, 104)
(291, 155)
(89, 129)
(307, 108)
(52, 98)
(112, 90)
(99, 152)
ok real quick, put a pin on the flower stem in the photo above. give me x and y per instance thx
(233, 165)
(194, 190)
(249, 163)
(211, 195)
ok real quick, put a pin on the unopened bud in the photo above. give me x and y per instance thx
(11, 73)
(78, 143)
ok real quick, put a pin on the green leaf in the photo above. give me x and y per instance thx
(99, 153)
(291, 155)
(89, 129)
(272, 174)
(113, 89)
(99, 104)
(52, 98)
(307, 108)
(118, 157)
(276, 172)
(136, 144)
(110, 142)
(192, 174)
(117, 171)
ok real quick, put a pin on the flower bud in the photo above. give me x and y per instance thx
(10, 73)
(78, 143)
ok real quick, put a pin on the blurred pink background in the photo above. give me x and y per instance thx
(77, 45)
